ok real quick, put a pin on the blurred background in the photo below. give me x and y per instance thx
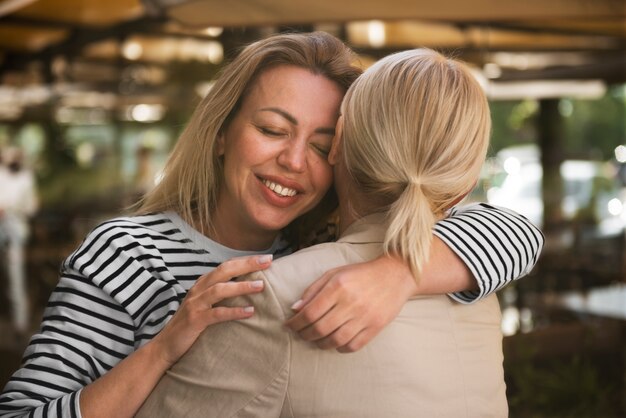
(93, 95)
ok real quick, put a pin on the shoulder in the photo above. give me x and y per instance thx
(489, 211)
(127, 259)
(321, 256)
(158, 223)
(123, 234)
(482, 218)
(483, 208)
(289, 276)
(306, 262)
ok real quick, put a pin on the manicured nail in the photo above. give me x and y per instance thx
(257, 284)
(264, 259)
(249, 309)
(297, 305)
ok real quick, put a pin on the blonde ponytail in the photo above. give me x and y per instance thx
(410, 224)
(415, 135)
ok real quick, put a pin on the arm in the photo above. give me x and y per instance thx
(73, 365)
(122, 390)
(476, 251)
(496, 244)
(67, 354)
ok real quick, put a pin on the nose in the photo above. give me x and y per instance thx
(293, 155)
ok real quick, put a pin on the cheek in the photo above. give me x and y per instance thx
(322, 175)
(239, 155)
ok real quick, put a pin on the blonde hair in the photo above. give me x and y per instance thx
(191, 182)
(415, 135)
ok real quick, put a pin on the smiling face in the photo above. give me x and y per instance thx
(275, 156)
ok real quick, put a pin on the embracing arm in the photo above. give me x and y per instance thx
(496, 244)
(476, 251)
(82, 361)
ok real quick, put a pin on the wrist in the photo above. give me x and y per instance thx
(155, 351)
(407, 283)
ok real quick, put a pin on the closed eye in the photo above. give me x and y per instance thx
(270, 132)
(321, 150)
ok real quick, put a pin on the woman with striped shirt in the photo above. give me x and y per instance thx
(139, 290)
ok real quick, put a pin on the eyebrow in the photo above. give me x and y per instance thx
(282, 113)
(294, 121)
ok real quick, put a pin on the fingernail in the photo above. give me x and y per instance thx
(264, 259)
(249, 309)
(257, 284)
(297, 305)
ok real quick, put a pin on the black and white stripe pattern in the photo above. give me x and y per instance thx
(116, 292)
(129, 276)
(497, 244)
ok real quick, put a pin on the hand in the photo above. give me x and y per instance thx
(350, 305)
(196, 312)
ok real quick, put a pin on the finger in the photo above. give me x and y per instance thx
(220, 291)
(312, 291)
(359, 341)
(328, 324)
(313, 311)
(234, 267)
(340, 337)
(223, 314)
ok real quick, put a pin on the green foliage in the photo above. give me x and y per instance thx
(597, 125)
(79, 187)
(512, 124)
(592, 128)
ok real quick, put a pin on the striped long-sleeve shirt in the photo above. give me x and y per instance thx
(130, 275)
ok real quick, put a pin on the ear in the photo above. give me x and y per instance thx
(335, 148)
(220, 146)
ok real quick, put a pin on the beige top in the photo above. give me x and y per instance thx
(438, 358)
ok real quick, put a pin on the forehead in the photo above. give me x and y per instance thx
(291, 87)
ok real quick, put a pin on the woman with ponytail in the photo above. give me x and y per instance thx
(415, 136)
(409, 145)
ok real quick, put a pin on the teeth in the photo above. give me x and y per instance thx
(278, 189)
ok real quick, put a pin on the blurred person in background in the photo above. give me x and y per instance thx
(18, 203)
(251, 162)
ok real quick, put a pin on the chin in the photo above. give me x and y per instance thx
(277, 224)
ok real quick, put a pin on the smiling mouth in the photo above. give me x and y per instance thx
(279, 189)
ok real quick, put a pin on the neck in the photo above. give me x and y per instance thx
(346, 218)
(235, 241)
(351, 200)
(352, 207)
(236, 237)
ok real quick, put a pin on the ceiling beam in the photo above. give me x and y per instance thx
(78, 38)
(30, 22)
(271, 12)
